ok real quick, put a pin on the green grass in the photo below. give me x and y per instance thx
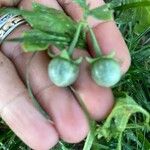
(136, 83)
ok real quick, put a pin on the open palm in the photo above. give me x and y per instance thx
(68, 119)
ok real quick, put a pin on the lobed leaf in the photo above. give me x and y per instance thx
(117, 121)
(46, 19)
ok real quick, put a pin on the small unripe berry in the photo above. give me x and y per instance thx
(106, 72)
(63, 72)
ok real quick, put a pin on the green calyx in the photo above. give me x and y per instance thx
(91, 60)
(64, 55)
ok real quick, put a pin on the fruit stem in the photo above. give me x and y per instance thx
(34, 100)
(75, 39)
(92, 124)
(96, 47)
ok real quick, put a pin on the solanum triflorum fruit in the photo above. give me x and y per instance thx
(62, 70)
(105, 71)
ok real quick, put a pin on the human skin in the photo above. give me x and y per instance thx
(68, 120)
(9, 2)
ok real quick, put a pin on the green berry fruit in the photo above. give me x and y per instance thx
(62, 72)
(106, 72)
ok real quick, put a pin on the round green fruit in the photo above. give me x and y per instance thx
(106, 72)
(63, 72)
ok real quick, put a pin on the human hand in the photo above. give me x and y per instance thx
(69, 121)
(8, 2)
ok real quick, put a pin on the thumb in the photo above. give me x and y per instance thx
(9, 2)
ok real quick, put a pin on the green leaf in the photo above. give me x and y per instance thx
(117, 121)
(103, 12)
(36, 40)
(50, 21)
(46, 19)
(29, 46)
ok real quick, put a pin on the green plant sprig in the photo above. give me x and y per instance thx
(105, 70)
(136, 83)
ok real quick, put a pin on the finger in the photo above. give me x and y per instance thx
(76, 13)
(9, 2)
(108, 35)
(19, 113)
(68, 117)
(28, 5)
(99, 100)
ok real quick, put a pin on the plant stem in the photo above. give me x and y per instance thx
(80, 101)
(34, 101)
(63, 146)
(132, 5)
(97, 49)
(75, 39)
(90, 138)
(119, 142)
